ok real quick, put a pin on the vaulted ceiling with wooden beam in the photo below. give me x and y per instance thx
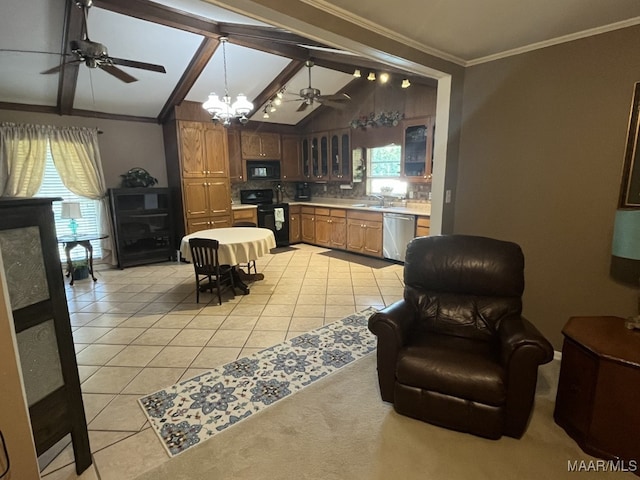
(183, 36)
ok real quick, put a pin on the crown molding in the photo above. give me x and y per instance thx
(386, 32)
(555, 41)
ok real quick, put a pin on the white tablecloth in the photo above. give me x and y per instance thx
(237, 244)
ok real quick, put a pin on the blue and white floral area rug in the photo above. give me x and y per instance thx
(194, 410)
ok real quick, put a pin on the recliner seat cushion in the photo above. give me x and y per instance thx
(454, 366)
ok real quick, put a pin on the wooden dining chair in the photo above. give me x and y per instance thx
(204, 254)
(251, 263)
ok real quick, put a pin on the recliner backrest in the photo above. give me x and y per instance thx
(464, 285)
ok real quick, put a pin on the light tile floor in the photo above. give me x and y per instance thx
(139, 330)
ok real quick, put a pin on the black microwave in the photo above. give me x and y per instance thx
(260, 170)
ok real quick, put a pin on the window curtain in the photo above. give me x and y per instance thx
(23, 153)
(76, 156)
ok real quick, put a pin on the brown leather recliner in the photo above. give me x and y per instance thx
(456, 351)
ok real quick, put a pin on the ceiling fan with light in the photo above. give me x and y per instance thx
(310, 95)
(96, 55)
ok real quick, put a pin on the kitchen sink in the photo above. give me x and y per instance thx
(359, 205)
(377, 206)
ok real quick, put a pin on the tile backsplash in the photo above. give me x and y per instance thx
(420, 192)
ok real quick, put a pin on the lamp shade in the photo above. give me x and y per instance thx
(71, 210)
(626, 234)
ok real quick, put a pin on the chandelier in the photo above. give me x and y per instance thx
(222, 110)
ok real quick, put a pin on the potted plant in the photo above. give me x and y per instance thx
(80, 269)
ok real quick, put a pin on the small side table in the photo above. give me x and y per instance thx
(70, 242)
(598, 400)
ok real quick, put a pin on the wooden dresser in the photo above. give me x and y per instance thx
(598, 400)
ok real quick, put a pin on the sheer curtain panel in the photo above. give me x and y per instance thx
(23, 150)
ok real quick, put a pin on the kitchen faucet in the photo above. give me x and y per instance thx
(380, 198)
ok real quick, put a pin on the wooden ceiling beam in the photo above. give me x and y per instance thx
(198, 63)
(280, 81)
(289, 51)
(265, 33)
(68, 78)
(160, 14)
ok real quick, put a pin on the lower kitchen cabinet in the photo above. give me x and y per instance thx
(323, 227)
(207, 203)
(364, 233)
(338, 228)
(423, 226)
(245, 215)
(295, 234)
(308, 225)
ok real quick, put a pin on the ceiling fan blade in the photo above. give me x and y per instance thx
(59, 67)
(338, 97)
(303, 106)
(116, 72)
(333, 104)
(141, 65)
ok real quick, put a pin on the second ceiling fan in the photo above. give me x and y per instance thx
(96, 55)
(310, 95)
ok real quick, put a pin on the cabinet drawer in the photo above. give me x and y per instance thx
(323, 211)
(423, 222)
(365, 216)
(338, 213)
(308, 210)
(246, 214)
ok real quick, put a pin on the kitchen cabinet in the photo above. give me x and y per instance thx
(198, 173)
(305, 153)
(295, 234)
(417, 149)
(338, 227)
(423, 225)
(245, 215)
(319, 156)
(237, 166)
(200, 150)
(260, 145)
(307, 225)
(36, 294)
(292, 161)
(323, 227)
(340, 154)
(364, 232)
(143, 225)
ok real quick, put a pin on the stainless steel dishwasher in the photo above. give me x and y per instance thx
(399, 230)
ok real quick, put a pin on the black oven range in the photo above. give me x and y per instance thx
(274, 216)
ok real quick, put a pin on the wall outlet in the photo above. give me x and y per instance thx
(447, 196)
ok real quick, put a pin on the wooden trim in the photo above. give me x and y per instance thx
(112, 116)
(162, 15)
(280, 81)
(194, 69)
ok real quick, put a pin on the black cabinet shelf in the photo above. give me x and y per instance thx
(143, 225)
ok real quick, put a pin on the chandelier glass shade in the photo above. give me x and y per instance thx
(221, 109)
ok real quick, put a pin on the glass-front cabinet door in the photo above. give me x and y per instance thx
(305, 157)
(340, 155)
(417, 149)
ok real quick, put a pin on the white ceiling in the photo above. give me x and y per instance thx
(463, 31)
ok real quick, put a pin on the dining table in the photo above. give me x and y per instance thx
(237, 245)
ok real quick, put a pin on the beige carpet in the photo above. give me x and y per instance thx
(338, 428)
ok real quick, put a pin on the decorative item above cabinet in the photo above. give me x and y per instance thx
(260, 146)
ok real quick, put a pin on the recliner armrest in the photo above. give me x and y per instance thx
(391, 325)
(523, 349)
(517, 332)
(393, 322)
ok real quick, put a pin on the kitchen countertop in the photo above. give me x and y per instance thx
(423, 209)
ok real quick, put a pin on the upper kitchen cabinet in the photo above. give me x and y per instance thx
(200, 152)
(261, 146)
(292, 160)
(417, 149)
(237, 167)
(340, 154)
(319, 156)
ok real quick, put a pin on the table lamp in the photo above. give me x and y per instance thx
(72, 210)
(626, 244)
